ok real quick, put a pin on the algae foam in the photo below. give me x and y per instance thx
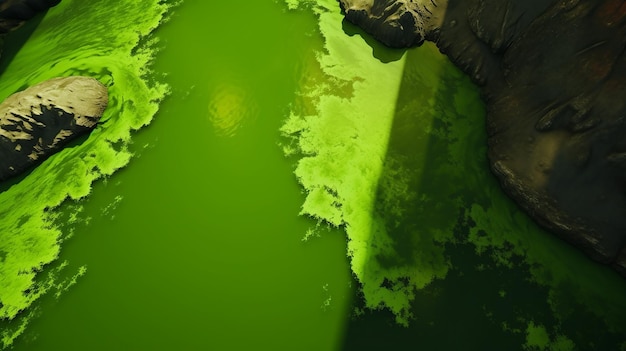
(341, 126)
(109, 41)
(394, 153)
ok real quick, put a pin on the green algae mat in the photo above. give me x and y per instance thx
(267, 177)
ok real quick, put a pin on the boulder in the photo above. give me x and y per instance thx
(40, 120)
(553, 76)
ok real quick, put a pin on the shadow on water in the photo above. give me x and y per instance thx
(417, 203)
(424, 195)
(14, 41)
(379, 51)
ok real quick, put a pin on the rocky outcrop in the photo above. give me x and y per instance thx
(553, 75)
(397, 23)
(40, 120)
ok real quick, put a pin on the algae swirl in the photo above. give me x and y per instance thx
(109, 41)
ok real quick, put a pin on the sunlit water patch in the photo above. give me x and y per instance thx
(230, 108)
(196, 245)
(100, 39)
(392, 149)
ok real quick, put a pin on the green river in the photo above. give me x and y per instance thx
(267, 177)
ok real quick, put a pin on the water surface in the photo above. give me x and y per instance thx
(294, 185)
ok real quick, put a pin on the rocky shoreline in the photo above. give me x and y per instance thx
(553, 76)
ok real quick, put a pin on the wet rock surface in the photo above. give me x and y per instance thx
(553, 75)
(40, 120)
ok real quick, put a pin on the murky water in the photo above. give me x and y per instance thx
(280, 133)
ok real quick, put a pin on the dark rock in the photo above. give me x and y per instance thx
(13, 13)
(620, 263)
(40, 120)
(396, 23)
(553, 75)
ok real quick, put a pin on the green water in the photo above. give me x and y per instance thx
(197, 244)
(294, 186)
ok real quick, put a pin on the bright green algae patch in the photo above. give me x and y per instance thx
(100, 39)
(342, 126)
(394, 153)
(204, 252)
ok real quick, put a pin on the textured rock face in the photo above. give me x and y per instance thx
(397, 23)
(553, 75)
(40, 120)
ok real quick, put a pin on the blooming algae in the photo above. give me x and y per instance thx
(392, 149)
(101, 39)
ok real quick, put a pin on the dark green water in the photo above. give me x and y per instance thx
(280, 123)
